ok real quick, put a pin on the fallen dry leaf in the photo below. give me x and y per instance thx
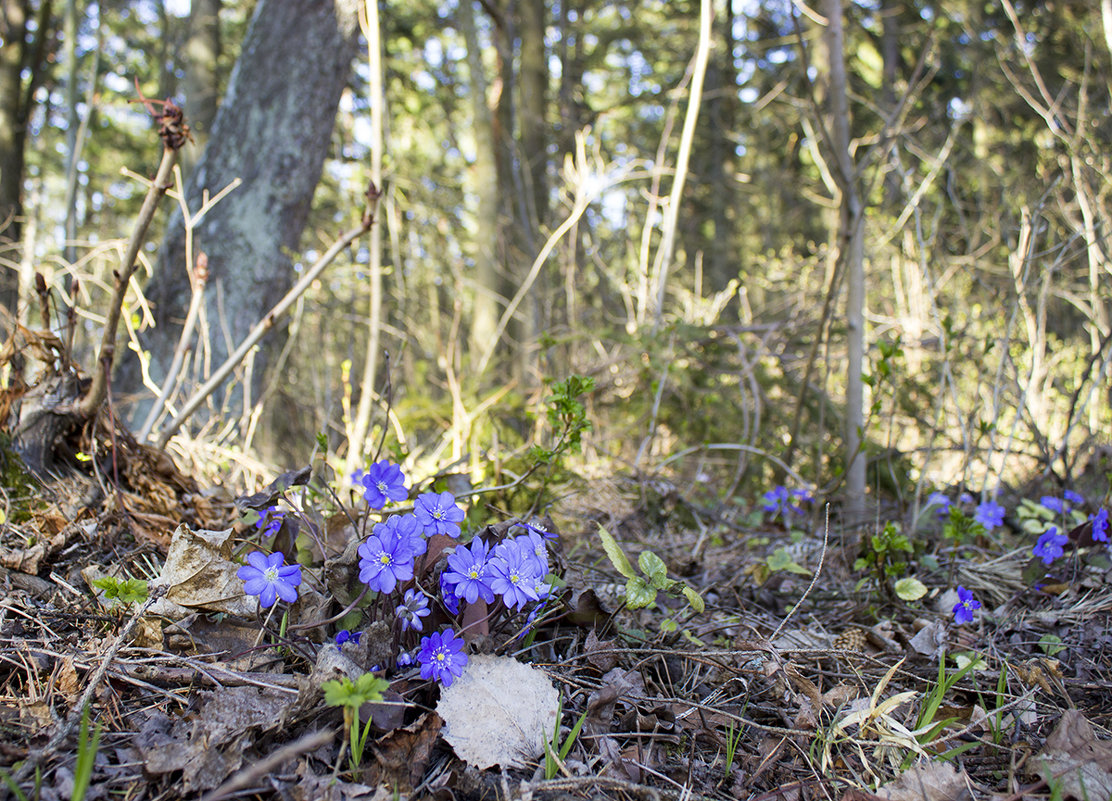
(1075, 761)
(199, 573)
(928, 781)
(499, 712)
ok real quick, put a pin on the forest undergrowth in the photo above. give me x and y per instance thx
(618, 635)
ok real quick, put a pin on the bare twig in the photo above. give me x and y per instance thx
(262, 327)
(87, 406)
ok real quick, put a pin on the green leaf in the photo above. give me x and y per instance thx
(617, 557)
(910, 589)
(639, 594)
(653, 567)
(781, 559)
(694, 599)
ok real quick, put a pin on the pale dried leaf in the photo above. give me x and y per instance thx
(928, 781)
(199, 573)
(1075, 761)
(499, 712)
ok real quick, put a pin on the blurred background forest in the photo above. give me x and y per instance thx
(831, 232)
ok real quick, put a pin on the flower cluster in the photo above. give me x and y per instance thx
(1063, 505)
(514, 569)
(782, 502)
(1100, 525)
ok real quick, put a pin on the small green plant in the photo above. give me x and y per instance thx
(960, 528)
(568, 417)
(927, 729)
(123, 592)
(352, 695)
(87, 746)
(556, 752)
(641, 590)
(883, 557)
(733, 737)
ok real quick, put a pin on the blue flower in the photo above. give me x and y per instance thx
(513, 574)
(940, 500)
(384, 563)
(1100, 525)
(1075, 498)
(270, 520)
(442, 657)
(270, 578)
(413, 607)
(989, 514)
(548, 535)
(438, 513)
(778, 501)
(965, 607)
(537, 549)
(344, 635)
(382, 483)
(965, 497)
(1052, 503)
(405, 659)
(468, 573)
(406, 534)
(448, 596)
(1049, 546)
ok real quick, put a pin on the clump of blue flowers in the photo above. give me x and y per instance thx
(507, 574)
(784, 503)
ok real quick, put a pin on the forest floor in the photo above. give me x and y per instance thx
(802, 678)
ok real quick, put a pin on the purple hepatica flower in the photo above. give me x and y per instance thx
(1053, 504)
(406, 532)
(344, 635)
(1049, 546)
(442, 657)
(990, 514)
(940, 500)
(438, 513)
(537, 550)
(966, 605)
(1100, 525)
(468, 573)
(965, 497)
(270, 520)
(405, 659)
(384, 563)
(270, 578)
(414, 606)
(513, 574)
(1073, 497)
(448, 595)
(382, 483)
(548, 535)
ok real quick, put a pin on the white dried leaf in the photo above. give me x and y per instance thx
(498, 712)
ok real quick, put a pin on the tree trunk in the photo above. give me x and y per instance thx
(273, 131)
(18, 53)
(851, 251)
(201, 85)
(485, 311)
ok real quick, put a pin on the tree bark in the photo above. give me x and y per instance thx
(19, 52)
(273, 131)
(851, 247)
(201, 85)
